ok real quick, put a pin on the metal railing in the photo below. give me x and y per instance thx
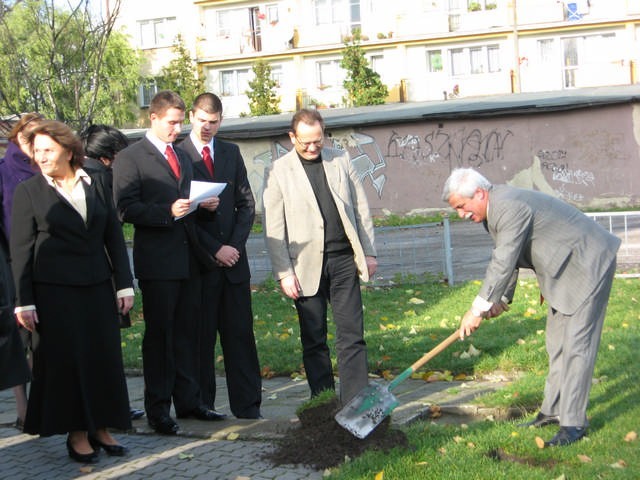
(454, 251)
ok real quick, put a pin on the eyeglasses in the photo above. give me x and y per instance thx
(306, 145)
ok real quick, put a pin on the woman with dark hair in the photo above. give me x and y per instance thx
(66, 244)
(101, 144)
(15, 167)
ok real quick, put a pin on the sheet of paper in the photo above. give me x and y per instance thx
(201, 191)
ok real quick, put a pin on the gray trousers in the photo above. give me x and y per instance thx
(572, 344)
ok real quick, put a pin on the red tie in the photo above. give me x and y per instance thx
(173, 161)
(206, 157)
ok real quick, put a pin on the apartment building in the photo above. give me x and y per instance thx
(422, 49)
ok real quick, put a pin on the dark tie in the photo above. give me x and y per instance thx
(173, 161)
(208, 161)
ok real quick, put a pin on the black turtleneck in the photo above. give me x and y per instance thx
(335, 239)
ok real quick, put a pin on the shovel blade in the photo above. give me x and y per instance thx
(367, 409)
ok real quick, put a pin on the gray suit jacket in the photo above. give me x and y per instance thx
(293, 224)
(569, 252)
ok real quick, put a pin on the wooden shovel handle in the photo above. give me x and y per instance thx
(436, 350)
(424, 359)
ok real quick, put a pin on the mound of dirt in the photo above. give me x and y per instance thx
(320, 442)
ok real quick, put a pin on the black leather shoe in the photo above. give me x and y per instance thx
(136, 413)
(163, 425)
(204, 413)
(111, 450)
(81, 457)
(541, 420)
(566, 436)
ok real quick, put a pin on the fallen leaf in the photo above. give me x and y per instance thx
(416, 301)
(514, 434)
(619, 464)
(185, 456)
(233, 436)
(442, 451)
(584, 458)
(380, 475)
(457, 439)
(422, 463)
(520, 341)
(473, 351)
(471, 445)
(631, 437)
(413, 331)
(86, 469)
(539, 442)
(242, 478)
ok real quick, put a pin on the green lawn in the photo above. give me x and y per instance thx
(403, 322)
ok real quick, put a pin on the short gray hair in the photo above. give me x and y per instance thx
(464, 182)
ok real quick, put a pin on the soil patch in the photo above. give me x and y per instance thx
(320, 442)
(500, 455)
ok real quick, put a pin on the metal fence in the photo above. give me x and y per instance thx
(453, 251)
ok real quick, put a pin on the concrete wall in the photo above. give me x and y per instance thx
(588, 157)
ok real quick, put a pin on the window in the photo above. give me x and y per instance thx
(272, 13)
(159, 32)
(377, 63)
(329, 12)
(477, 60)
(329, 74)
(434, 60)
(229, 22)
(459, 62)
(234, 82)
(546, 50)
(493, 56)
(276, 75)
(146, 91)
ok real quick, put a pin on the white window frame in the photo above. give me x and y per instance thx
(326, 69)
(431, 66)
(238, 82)
(159, 32)
(146, 90)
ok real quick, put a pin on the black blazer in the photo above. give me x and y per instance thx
(144, 189)
(50, 242)
(231, 224)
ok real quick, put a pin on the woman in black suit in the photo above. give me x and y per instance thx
(66, 244)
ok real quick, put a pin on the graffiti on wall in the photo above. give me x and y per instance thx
(458, 148)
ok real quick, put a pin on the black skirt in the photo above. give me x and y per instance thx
(78, 376)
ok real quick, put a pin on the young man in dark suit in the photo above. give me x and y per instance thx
(151, 183)
(226, 293)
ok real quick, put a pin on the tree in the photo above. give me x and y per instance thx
(66, 64)
(180, 75)
(263, 99)
(363, 85)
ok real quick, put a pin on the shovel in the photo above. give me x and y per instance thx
(375, 402)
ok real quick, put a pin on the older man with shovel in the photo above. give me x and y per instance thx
(574, 260)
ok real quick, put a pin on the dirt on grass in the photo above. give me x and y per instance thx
(320, 442)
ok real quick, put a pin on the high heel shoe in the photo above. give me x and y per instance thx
(111, 450)
(81, 457)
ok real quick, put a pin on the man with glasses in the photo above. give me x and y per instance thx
(319, 235)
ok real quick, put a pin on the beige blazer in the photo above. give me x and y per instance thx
(293, 224)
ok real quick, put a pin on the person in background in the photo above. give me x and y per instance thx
(66, 245)
(319, 235)
(14, 369)
(15, 167)
(226, 291)
(151, 185)
(574, 260)
(101, 144)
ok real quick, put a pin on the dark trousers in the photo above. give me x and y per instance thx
(226, 309)
(339, 286)
(171, 311)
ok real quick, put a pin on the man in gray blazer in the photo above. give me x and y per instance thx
(319, 235)
(574, 260)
